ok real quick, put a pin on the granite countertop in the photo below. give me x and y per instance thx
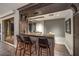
(40, 35)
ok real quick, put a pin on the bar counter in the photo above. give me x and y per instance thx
(50, 38)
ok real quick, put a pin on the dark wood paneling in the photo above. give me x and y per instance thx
(76, 35)
(44, 8)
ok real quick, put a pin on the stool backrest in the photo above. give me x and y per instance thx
(43, 41)
(27, 40)
(19, 39)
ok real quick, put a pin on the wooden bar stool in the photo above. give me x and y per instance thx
(43, 45)
(29, 45)
(20, 45)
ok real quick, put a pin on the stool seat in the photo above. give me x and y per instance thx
(43, 46)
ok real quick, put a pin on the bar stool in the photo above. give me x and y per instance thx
(43, 44)
(29, 44)
(20, 45)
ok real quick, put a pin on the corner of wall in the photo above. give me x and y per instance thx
(69, 37)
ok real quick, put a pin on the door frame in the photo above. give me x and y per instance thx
(2, 27)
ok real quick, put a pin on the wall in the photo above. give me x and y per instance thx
(16, 26)
(69, 37)
(0, 30)
(56, 26)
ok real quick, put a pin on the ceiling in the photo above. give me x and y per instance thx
(6, 7)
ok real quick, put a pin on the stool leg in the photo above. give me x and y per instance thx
(30, 50)
(20, 49)
(16, 49)
(24, 49)
(41, 51)
(49, 52)
(20, 52)
(27, 46)
(38, 50)
(35, 49)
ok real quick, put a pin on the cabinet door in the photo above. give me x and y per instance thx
(76, 35)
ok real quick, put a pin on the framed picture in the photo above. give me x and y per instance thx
(68, 26)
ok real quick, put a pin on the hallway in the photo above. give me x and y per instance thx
(6, 50)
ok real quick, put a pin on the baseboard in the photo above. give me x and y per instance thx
(8, 43)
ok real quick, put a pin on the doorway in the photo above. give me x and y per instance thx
(8, 30)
